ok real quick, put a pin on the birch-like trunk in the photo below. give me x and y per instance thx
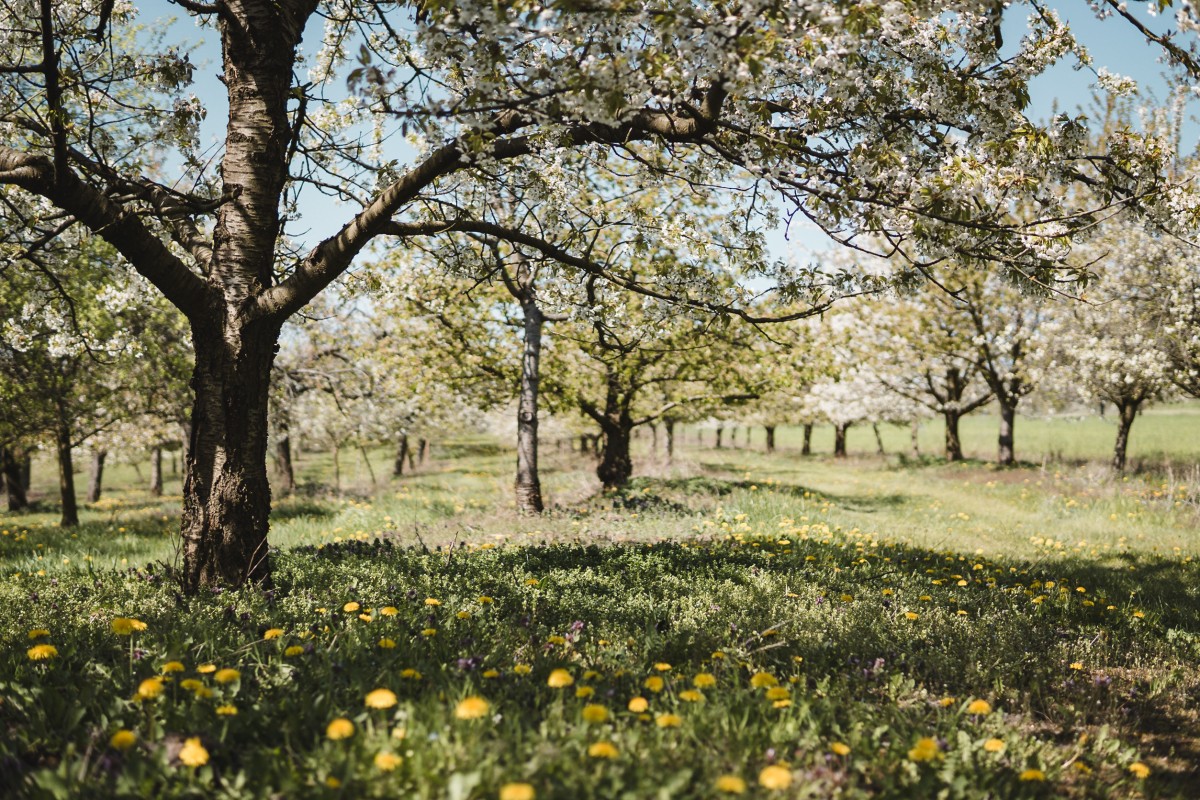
(528, 484)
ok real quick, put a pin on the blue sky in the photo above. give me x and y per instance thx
(1113, 44)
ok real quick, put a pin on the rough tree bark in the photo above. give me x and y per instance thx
(1127, 414)
(96, 478)
(1008, 417)
(616, 465)
(953, 442)
(528, 486)
(839, 440)
(156, 472)
(66, 475)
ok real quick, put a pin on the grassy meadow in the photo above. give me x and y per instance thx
(733, 624)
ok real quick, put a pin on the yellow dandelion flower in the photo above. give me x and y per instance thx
(994, 745)
(638, 705)
(778, 693)
(386, 762)
(911, 615)
(38, 633)
(602, 750)
(1032, 775)
(654, 684)
(717, 654)
(532, 582)
(127, 626)
(389, 611)
(1076, 665)
(365, 617)
(191, 684)
(340, 728)
(227, 675)
(662, 666)
(594, 713)
(556, 639)
(485, 600)
(387, 644)
(559, 679)
(840, 748)
(522, 669)
(193, 754)
(428, 632)
(847, 598)
(691, 696)
(926, 749)
(471, 708)
(123, 740)
(730, 784)
(946, 702)
(763, 679)
(463, 615)
(1139, 770)
(704, 680)
(150, 688)
(584, 692)
(351, 607)
(293, 651)
(432, 601)
(517, 791)
(775, 777)
(979, 707)
(491, 673)
(380, 698)
(272, 633)
(410, 674)
(668, 720)
(42, 652)
(227, 711)
(333, 783)
(205, 669)
(172, 666)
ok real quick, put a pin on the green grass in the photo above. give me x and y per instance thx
(883, 596)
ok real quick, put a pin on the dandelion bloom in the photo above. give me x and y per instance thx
(410, 674)
(1139, 770)
(532, 582)
(193, 753)
(668, 720)
(1076, 665)
(761, 679)
(1032, 775)
(42, 652)
(485, 600)
(662, 666)
(150, 688)
(778, 693)
(654, 683)
(463, 615)
(584, 692)
(559, 679)
(602, 750)
(471, 708)
(340, 728)
(704, 680)
(191, 684)
(926, 749)
(691, 696)
(840, 748)
(731, 784)
(227, 675)
(386, 762)
(994, 745)
(38, 633)
(389, 611)
(227, 710)
(556, 639)
(351, 607)
(979, 707)
(491, 673)
(522, 669)
(775, 777)
(126, 626)
(911, 615)
(123, 739)
(387, 644)
(333, 783)
(381, 698)
(638, 705)
(205, 669)
(517, 791)
(272, 633)
(172, 666)
(946, 702)
(293, 651)
(432, 601)
(427, 632)
(594, 712)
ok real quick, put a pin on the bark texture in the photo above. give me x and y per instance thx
(96, 478)
(954, 450)
(839, 440)
(66, 476)
(1128, 413)
(528, 485)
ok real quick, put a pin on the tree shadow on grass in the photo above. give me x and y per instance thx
(865, 503)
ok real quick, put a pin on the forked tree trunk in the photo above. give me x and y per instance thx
(670, 426)
(66, 476)
(1128, 413)
(156, 473)
(14, 480)
(1008, 416)
(616, 465)
(770, 438)
(96, 478)
(954, 450)
(528, 486)
(401, 456)
(227, 496)
(806, 448)
(839, 440)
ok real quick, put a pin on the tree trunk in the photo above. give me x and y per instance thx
(839, 440)
(226, 492)
(401, 456)
(670, 426)
(720, 433)
(528, 485)
(653, 438)
(806, 448)
(66, 476)
(14, 480)
(422, 450)
(616, 465)
(1008, 416)
(878, 439)
(1128, 413)
(770, 438)
(583, 443)
(953, 443)
(284, 470)
(96, 479)
(156, 474)
(337, 468)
